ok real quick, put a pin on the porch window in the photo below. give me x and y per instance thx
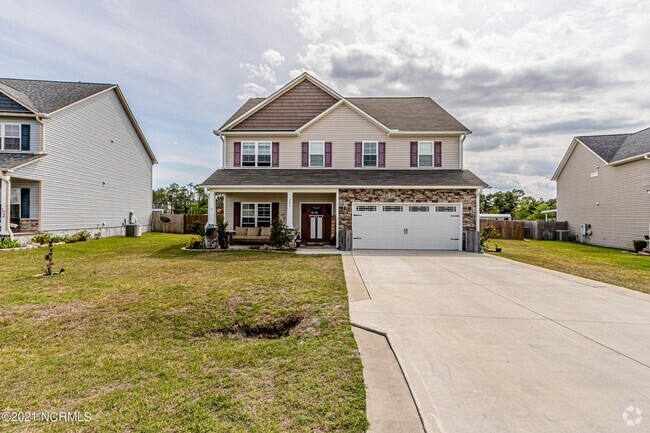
(10, 136)
(316, 153)
(256, 214)
(370, 154)
(15, 203)
(425, 154)
(256, 154)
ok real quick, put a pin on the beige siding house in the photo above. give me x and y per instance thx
(378, 172)
(72, 157)
(603, 184)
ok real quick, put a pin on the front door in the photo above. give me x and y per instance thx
(316, 223)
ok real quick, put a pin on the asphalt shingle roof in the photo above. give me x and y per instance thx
(344, 178)
(617, 147)
(9, 160)
(401, 113)
(48, 96)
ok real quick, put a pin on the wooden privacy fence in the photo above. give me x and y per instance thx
(538, 230)
(178, 222)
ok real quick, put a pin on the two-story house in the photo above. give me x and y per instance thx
(72, 157)
(361, 173)
(603, 188)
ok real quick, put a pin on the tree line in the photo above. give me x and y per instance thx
(182, 199)
(516, 203)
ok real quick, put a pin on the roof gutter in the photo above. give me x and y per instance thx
(398, 132)
(630, 159)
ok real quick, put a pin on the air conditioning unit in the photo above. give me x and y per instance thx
(132, 231)
(562, 235)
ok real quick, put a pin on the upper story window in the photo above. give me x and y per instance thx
(316, 153)
(256, 154)
(429, 154)
(10, 136)
(370, 153)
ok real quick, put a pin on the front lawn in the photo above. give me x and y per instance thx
(597, 263)
(146, 337)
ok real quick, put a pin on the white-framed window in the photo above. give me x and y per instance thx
(317, 154)
(256, 154)
(255, 214)
(10, 136)
(15, 203)
(425, 154)
(370, 153)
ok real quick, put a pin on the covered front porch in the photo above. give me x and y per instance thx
(19, 205)
(312, 213)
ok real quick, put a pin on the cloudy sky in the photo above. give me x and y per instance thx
(524, 76)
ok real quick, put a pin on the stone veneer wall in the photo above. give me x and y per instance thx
(465, 196)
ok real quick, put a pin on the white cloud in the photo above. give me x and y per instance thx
(526, 77)
(253, 90)
(273, 57)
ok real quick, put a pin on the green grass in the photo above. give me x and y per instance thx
(134, 332)
(597, 263)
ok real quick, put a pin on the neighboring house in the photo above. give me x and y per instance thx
(72, 157)
(603, 182)
(377, 172)
(496, 217)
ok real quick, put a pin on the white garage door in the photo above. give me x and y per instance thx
(407, 226)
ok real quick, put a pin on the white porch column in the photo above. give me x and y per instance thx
(212, 207)
(290, 209)
(5, 209)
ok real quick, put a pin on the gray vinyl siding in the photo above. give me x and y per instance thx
(343, 127)
(34, 130)
(34, 199)
(96, 169)
(623, 210)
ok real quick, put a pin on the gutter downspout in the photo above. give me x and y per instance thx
(462, 140)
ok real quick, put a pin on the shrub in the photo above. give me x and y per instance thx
(81, 236)
(640, 245)
(222, 232)
(194, 228)
(56, 239)
(6, 243)
(41, 239)
(194, 244)
(280, 234)
(486, 233)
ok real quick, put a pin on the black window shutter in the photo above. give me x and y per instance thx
(275, 210)
(25, 136)
(236, 214)
(24, 202)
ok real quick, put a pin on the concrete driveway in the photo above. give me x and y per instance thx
(491, 345)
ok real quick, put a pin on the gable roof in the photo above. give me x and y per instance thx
(396, 114)
(48, 96)
(12, 160)
(43, 97)
(612, 149)
(409, 113)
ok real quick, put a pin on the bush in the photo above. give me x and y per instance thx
(486, 233)
(6, 243)
(222, 232)
(81, 236)
(194, 228)
(640, 245)
(280, 234)
(194, 244)
(41, 239)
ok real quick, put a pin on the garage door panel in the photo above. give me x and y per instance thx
(434, 226)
